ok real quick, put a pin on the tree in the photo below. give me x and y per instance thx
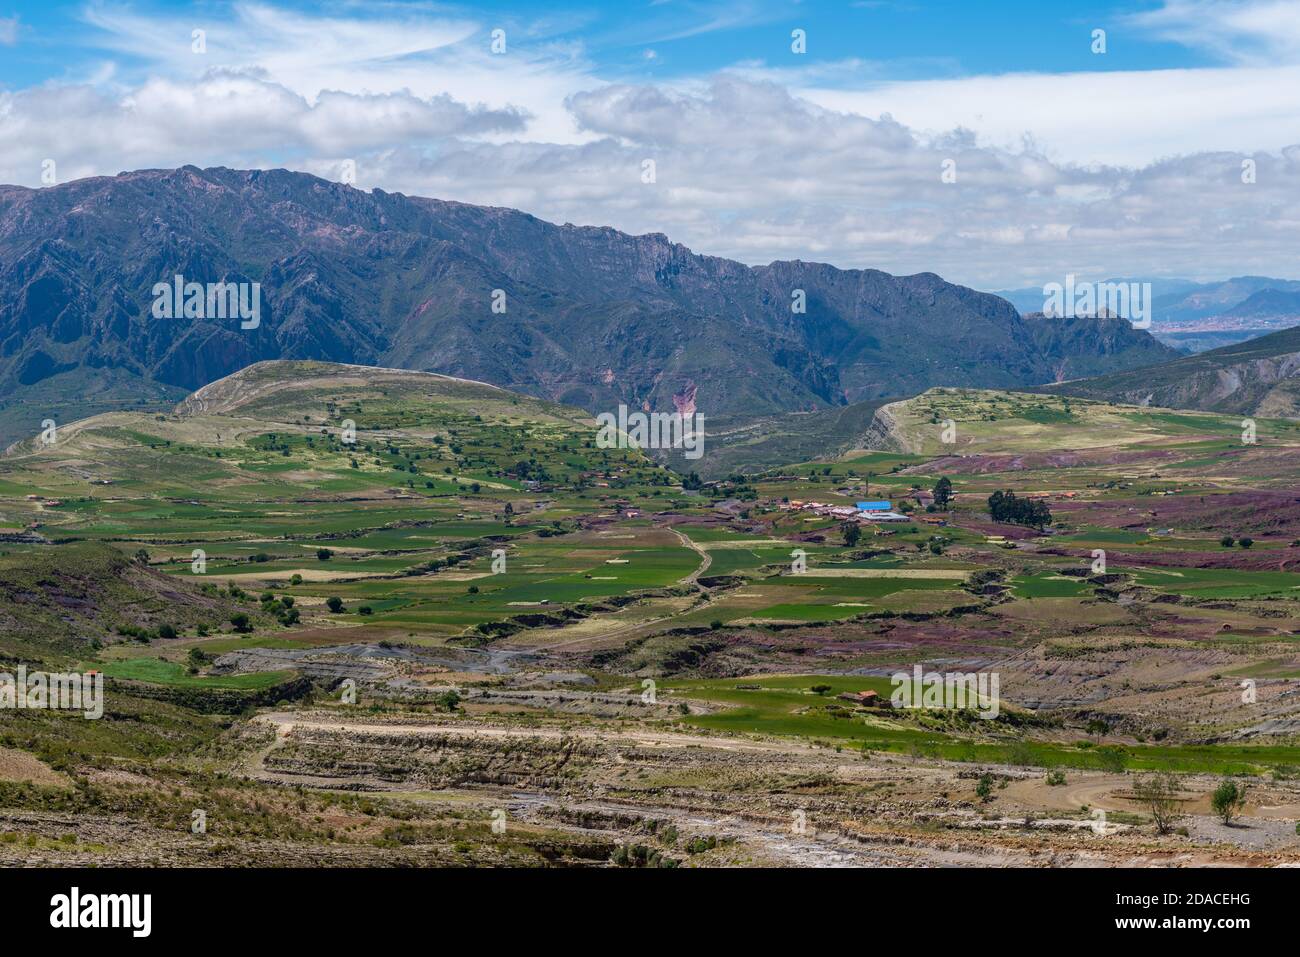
(1245, 541)
(852, 532)
(984, 787)
(324, 554)
(1159, 793)
(942, 492)
(240, 621)
(1228, 800)
(166, 631)
(1098, 728)
(1227, 541)
(334, 604)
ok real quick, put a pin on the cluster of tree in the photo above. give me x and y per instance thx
(1007, 507)
(736, 487)
(529, 470)
(145, 635)
(281, 607)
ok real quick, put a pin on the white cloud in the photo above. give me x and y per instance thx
(1120, 117)
(1239, 31)
(749, 171)
(1129, 117)
(1096, 174)
(223, 117)
(426, 56)
(8, 31)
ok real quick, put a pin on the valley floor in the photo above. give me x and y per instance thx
(473, 638)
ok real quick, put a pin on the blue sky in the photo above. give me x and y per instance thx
(1065, 159)
(905, 40)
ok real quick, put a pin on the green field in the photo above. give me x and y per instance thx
(158, 671)
(786, 705)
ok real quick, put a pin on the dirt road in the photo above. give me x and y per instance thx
(694, 576)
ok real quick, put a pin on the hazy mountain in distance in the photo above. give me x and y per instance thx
(1031, 299)
(587, 315)
(1194, 316)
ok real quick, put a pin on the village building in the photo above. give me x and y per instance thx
(869, 699)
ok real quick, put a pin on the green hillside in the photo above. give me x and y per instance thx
(1256, 377)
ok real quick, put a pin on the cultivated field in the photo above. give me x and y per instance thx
(364, 617)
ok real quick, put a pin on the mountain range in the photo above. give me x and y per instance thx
(1195, 316)
(584, 315)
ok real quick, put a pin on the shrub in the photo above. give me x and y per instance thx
(1159, 792)
(1112, 759)
(1228, 800)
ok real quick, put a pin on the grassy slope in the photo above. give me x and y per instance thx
(54, 600)
(1200, 381)
(1011, 423)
